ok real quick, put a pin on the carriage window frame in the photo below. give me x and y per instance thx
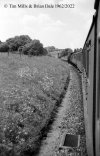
(98, 90)
(87, 56)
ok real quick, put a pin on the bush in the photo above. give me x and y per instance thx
(17, 41)
(65, 52)
(51, 49)
(4, 47)
(45, 52)
(34, 48)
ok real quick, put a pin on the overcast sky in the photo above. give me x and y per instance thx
(62, 28)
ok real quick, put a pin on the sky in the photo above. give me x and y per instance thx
(59, 27)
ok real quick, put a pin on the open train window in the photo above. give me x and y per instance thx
(87, 56)
(89, 43)
(87, 63)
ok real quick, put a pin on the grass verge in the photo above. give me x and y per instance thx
(30, 89)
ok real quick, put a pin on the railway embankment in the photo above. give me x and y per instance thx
(69, 119)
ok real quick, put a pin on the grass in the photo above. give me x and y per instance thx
(29, 90)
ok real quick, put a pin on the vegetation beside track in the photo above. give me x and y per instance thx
(29, 89)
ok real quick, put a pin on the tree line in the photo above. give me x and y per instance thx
(23, 44)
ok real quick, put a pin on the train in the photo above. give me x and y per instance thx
(88, 62)
(76, 60)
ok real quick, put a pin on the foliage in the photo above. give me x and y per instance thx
(65, 52)
(34, 48)
(17, 41)
(4, 47)
(45, 52)
(78, 50)
(50, 48)
(28, 93)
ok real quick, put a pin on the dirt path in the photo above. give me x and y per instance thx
(69, 119)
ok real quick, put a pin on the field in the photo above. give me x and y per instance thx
(29, 90)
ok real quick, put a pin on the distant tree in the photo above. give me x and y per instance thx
(50, 48)
(45, 52)
(4, 47)
(68, 50)
(24, 39)
(17, 41)
(65, 52)
(0, 41)
(11, 42)
(78, 50)
(34, 48)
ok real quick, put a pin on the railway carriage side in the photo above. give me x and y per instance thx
(97, 81)
(91, 62)
(76, 59)
(88, 63)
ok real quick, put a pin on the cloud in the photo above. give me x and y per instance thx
(43, 27)
(10, 23)
(59, 27)
(41, 19)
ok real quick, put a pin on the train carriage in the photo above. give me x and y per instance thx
(89, 62)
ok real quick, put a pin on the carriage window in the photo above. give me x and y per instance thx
(87, 61)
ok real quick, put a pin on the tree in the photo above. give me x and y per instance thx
(78, 50)
(50, 48)
(25, 39)
(17, 41)
(4, 47)
(66, 52)
(34, 48)
(11, 44)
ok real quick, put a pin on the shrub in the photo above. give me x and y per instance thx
(51, 49)
(34, 48)
(4, 47)
(65, 52)
(17, 41)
